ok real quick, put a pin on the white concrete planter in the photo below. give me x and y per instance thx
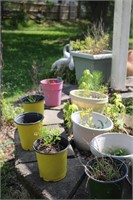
(97, 102)
(100, 144)
(101, 62)
(83, 135)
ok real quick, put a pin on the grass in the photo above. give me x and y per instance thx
(131, 40)
(33, 44)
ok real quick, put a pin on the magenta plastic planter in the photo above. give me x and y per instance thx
(52, 90)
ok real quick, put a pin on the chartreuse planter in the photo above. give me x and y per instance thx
(106, 189)
(52, 90)
(33, 103)
(52, 166)
(29, 127)
(88, 99)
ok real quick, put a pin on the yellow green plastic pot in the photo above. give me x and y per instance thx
(29, 127)
(52, 167)
(31, 106)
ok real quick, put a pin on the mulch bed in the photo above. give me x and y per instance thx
(11, 188)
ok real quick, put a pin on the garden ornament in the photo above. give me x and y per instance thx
(66, 61)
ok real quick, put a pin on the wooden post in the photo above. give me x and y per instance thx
(120, 43)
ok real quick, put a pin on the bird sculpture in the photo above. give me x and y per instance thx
(66, 61)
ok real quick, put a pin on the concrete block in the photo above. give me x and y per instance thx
(64, 189)
(82, 192)
(22, 156)
(53, 117)
(127, 95)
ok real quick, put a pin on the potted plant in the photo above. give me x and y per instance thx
(105, 177)
(28, 124)
(51, 153)
(87, 125)
(117, 145)
(88, 99)
(52, 89)
(91, 53)
(91, 91)
(33, 103)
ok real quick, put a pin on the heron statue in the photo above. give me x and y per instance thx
(66, 61)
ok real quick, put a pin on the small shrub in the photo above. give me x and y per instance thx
(9, 111)
(68, 110)
(92, 81)
(95, 44)
(115, 110)
(50, 136)
(128, 105)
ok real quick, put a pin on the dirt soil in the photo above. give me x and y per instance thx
(11, 188)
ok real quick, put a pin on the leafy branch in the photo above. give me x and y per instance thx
(68, 110)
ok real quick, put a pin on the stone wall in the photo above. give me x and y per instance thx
(49, 10)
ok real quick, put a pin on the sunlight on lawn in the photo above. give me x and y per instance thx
(38, 44)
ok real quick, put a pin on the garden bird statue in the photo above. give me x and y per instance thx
(66, 61)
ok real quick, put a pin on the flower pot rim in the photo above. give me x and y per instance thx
(25, 99)
(45, 81)
(107, 54)
(28, 113)
(110, 134)
(93, 113)
(104, 96)
(62, 139)
(112, 181)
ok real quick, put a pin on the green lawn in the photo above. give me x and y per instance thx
(28, 53)
(131, 40)
(33, 45)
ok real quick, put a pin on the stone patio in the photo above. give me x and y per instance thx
(73, 186)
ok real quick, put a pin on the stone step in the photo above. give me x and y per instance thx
(53, 117)
(23, 156)
(127, 95)
(64, 189)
